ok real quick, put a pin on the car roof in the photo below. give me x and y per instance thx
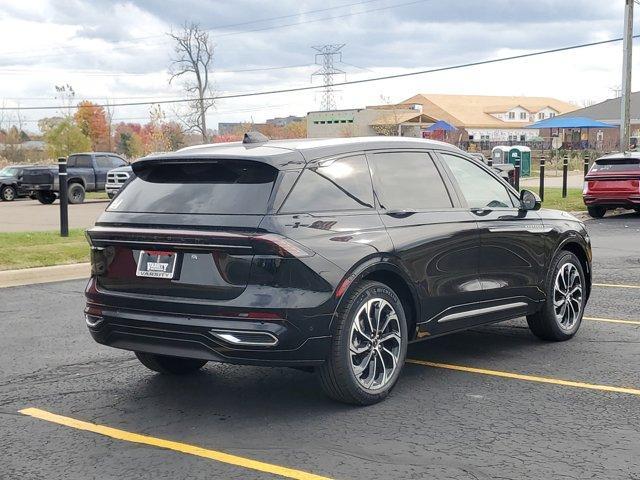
(615, 155)
(294, 152)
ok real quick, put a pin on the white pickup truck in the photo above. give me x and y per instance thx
(116, 178)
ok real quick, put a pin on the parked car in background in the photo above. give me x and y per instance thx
(10, 179)
(86, 172)
(613, 182)
(325, 254)
(506, 170)
(116, 178)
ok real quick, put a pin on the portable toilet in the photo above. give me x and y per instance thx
(500, 154)
(524, 154)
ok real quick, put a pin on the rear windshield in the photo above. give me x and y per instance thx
(211, 187)
(616, 165)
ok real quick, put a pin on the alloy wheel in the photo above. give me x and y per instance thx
(8, 194)
(567, 296)
(375, 343)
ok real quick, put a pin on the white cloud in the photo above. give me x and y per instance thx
(109, 49)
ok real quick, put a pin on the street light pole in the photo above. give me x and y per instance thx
(627, 47)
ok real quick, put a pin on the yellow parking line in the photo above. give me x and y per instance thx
(615, 285)
(170, 445)
(612, 320)
(528, 378)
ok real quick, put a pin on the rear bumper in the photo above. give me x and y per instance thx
(298, 337)
(612, 201)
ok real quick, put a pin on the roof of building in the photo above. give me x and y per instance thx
(570, 122)
(395, 117)
(608, 110)
(475, 110)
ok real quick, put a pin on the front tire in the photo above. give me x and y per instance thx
(596, 212)
(8, 193)
(560, 317)
(170, 365)
(368, 348)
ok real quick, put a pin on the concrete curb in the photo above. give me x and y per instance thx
(32, 276)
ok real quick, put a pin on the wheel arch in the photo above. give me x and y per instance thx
(386, 272)
(79, 180)
(579, 250)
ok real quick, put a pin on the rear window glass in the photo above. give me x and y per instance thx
(212, 187)
(616, 165)
(333, 185)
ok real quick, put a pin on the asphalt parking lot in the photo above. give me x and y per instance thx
(26, 215)
(493, 402)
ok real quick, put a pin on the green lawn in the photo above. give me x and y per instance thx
(40, 249)
(101, 195)
(553, 199)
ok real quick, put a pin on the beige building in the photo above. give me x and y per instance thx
(369, 121)
(489, 118)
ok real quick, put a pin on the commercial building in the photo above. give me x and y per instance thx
(369, 121)
(605, 139)
(482, 118)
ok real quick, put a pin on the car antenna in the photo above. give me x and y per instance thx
(254, 137)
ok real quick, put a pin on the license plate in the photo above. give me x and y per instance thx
(156, 264)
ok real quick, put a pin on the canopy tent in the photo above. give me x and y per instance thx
(570, 122)
(575, 125)
(439, 131)
(442, 126)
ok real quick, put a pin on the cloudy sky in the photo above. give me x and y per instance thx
(119, 50)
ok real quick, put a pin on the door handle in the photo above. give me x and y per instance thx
(400, 213)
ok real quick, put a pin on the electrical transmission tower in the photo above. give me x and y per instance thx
(327, 55)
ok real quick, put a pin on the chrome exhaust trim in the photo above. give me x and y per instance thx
(246, 338)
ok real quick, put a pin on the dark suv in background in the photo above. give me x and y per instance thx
(328, 253)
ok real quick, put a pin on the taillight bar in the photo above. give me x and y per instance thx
(260, 244)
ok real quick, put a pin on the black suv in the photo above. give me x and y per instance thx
(328, 253)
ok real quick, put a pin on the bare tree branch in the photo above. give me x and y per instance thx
(191, 64)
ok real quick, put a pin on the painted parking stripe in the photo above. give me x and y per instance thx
(612, 320)
(615, 285)
(528, 378)
(170, 445)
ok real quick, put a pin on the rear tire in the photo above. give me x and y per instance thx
(75, 193)
(560, 317)
(45, 197)
(596, 212)
(170, 365)
(368, 348)
(8, 193)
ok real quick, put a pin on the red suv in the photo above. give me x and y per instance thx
(612, 182)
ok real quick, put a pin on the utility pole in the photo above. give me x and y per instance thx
(627, 48)
(328, 70)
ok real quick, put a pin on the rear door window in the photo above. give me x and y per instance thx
(232, 187)
(332, 185)
(409, 181)
(79, 161)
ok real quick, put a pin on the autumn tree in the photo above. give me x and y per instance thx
(92, 120)
(296, 129)
(128, 141)
(66, 138)
(191, 64)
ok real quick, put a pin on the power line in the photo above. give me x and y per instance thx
(138, 45)
(94, 73)
(350, 82)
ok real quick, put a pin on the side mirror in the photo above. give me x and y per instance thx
(529, 200)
